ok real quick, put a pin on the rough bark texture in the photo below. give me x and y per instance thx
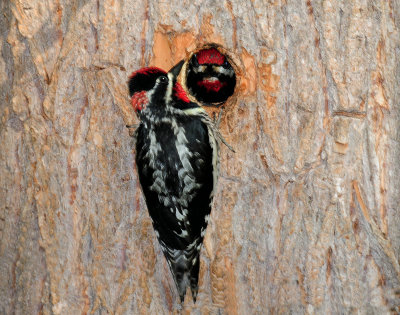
(306, 218)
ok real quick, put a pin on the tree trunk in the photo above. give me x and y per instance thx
(306, 217)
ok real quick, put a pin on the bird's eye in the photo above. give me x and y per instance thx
(163, 79)
(194, 60)
(226, 64)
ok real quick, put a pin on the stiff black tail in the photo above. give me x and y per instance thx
(185, 271)
(194, 277)
(179, 268)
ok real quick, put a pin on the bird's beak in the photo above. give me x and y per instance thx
(175, 70)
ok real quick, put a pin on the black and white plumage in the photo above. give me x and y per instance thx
(176, 157)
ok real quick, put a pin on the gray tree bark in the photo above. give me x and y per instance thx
(306, 216)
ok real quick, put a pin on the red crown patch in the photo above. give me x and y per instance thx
(210, 55)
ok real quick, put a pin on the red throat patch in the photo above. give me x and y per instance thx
(211, 85)
(180, 93)
(139, 100)
(210, 55)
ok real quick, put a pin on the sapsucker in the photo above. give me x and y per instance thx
(210, 77)
(176, 157)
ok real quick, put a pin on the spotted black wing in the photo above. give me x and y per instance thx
(176, 172)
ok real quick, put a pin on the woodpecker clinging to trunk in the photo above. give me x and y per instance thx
(176, 157)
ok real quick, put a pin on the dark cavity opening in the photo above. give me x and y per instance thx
(210, 76)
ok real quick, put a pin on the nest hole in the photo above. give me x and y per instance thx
(210, 75)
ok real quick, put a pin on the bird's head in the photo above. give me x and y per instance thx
(153, 87)
(211, 78)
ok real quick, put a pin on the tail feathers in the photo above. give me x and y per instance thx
(180, 272)
(185, 271)
(194, 277)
